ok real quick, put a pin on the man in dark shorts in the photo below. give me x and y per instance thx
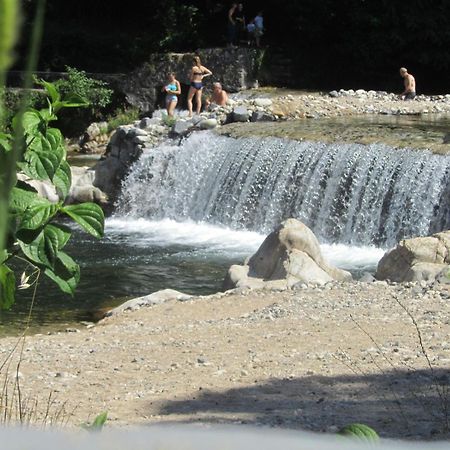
(410, 85)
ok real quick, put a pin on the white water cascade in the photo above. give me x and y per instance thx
(347, 193)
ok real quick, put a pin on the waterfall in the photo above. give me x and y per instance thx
(346, 193)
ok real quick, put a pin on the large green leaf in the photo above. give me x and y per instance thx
(41, 165)
(47, 115)
(56, 140)
(42, 247)
(36, 251)
(63, 179)
(21, 199)
(7, 287)
(5, 142)
(38, 214)
(57, 234)
(31, 123)
(89, 216)
(73, 101)
(66, 273)
(51, 90)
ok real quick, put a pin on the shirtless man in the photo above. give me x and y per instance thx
(219, 96)
(410, 85)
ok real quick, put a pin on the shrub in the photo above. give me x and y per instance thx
(95, 92)
(122, 117)
(34, 232)
(12, 101)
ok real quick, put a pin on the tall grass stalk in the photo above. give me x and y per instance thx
(9, 24)
(9, 31)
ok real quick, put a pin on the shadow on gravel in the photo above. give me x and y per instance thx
(397, 403)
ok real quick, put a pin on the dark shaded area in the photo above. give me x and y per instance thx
(324, 44)
(396, 403)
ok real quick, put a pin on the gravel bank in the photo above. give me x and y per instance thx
(314, 359)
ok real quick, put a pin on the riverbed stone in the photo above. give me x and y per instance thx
(208, 124)
(416, 259)
(82, 194)
(262, 102)
(155, 298)
(181, 127)
(290, 253)
(240, 114)
(262, 116)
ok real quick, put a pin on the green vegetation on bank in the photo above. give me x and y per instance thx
(36, 236)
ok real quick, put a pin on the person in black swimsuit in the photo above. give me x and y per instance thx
(198, 72)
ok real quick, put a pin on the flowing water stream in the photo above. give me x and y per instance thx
(189, 210)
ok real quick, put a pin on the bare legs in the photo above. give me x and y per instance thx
(198, 99)
(170, 106)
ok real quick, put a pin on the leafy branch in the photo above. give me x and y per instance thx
(34, 231)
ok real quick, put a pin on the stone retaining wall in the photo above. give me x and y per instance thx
(236, 68)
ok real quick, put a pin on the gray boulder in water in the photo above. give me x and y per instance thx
(289, 255)
(417, 259)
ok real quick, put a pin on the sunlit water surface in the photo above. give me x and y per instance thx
(137, 257)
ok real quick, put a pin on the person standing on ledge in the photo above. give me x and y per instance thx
(410, 85)
(198, 72)
(172, 89)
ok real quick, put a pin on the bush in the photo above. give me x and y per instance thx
(12, 98)
(122, 117)
(95, 92)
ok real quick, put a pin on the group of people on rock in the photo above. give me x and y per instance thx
(173, 88)
(240, 31)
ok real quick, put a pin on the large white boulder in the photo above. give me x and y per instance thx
(290, 254)
(417, 259)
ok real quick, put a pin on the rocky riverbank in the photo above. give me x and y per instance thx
(315, 358)
(275, 105)
(275, 112)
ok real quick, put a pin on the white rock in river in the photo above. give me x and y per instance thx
(416, 259)
(208, 124)
(290, 253)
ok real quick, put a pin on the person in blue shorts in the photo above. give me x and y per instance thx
(172, 89)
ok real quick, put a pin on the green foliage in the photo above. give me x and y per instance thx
(122, 117)
(13, 100)
(35, 234)
(359, 431)
(98, 422)
(182, 23)
(168, 120)
(78, 85)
